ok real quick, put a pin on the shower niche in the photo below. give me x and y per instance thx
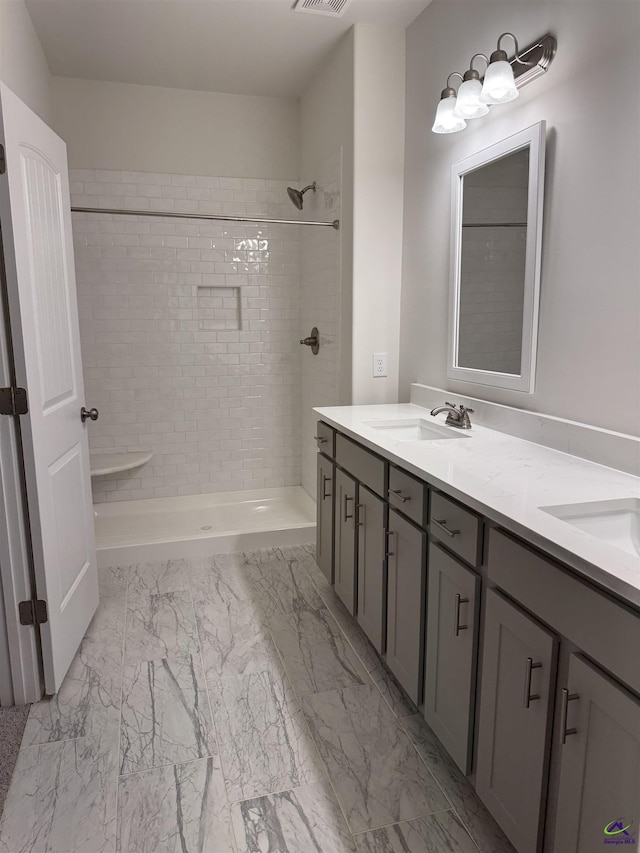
(219, 307)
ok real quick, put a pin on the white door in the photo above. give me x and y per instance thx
(35, 217)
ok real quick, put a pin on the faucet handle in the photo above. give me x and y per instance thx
(447, 403)
(464, 409)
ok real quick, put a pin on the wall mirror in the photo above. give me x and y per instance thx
(496, 213)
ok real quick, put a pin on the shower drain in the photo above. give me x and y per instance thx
(207, 527)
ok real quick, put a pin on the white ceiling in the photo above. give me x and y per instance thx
(254, 47)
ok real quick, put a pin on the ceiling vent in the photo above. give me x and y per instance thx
(334, 8)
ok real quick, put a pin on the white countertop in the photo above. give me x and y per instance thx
(508, 479)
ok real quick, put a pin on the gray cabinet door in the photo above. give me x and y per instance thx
(371, 565)
(324, 516)
(451, 653)
(599, 791)
(344, 575)
(518, 679)
(406, 603)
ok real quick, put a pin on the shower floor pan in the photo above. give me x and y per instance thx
(198, 525)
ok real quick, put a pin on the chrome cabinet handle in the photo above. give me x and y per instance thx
(346, 515)
(564, 711)
(528, 695)
(91, 414)
(457, 627)
(325, 480)
(359, 522)
(441, 522)
(320, 439)
(390, 533)
(399, 495)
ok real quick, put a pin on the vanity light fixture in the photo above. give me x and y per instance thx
(500, 85)
(469, 104)
(446, 120)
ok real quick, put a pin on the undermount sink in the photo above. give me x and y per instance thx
(413, 429)
(616, 521)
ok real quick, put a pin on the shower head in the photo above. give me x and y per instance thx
(296, 195)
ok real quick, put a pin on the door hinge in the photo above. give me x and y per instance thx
(13, 401)
(33, 612)
(3, 161)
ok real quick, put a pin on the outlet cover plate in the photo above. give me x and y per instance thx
(379, 364)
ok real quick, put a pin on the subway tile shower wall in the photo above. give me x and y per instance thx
(190, 332)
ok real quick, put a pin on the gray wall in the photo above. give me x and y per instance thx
(23, 67)
(177, 131)
(589, 336)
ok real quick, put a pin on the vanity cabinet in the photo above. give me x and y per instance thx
(344, 577)
(451, 652)
(599, 776)
(407, 565)
(371, 565)
(529, 674)
(324, 515)
(594, 739)
(516, 702)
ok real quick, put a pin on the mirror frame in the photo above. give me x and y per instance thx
(533, 138)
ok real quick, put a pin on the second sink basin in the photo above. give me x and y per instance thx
(616, 521)
(413, 429)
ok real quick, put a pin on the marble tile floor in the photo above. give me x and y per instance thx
(231, 705)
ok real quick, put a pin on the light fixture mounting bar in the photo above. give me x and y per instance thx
(540, 53)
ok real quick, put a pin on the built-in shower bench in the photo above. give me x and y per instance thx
(114, 463)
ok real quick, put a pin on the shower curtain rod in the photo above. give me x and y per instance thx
(219, 217)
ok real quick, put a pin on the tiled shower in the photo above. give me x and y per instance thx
(190, 329)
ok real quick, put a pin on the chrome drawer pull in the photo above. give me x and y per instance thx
(564, 711)
(387, 552)
(441, 522)
(456, 622)
(325, 480)
(346, 515)
(320, 439)
(399, 495)
(528, 695)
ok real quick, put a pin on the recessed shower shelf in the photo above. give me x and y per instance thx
(114, 463)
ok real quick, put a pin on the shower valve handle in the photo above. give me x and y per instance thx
(312, 341)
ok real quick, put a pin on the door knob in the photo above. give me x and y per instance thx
(312, 341)
(92, 414)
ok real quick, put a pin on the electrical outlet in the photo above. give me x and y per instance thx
(379, 364)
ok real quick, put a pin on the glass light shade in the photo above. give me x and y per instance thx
(499, 85)
(446, 121)
(468, 103)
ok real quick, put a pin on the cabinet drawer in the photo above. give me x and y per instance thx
(325, 439)
(407, 494)
(364, 465)
(603, 628)
(456, 527)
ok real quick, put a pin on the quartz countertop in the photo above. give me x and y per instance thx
(508, 479)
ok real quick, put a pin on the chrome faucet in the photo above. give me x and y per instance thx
(456, 417)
